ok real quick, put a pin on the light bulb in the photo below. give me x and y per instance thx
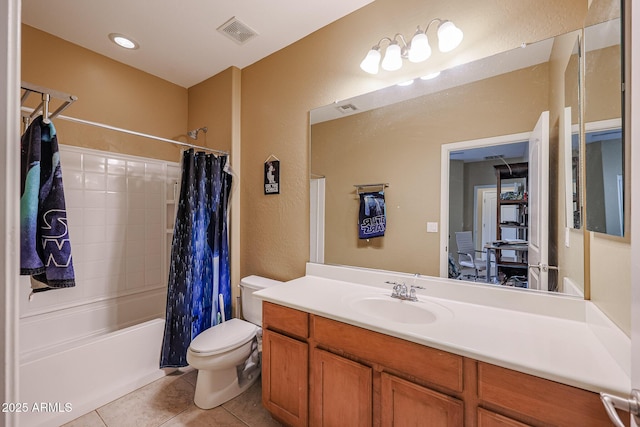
(420, 49)
(392, 58)
(449, 36)
(371, 62)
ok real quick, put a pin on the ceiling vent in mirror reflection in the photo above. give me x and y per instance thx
(416, 50)
(347, 108)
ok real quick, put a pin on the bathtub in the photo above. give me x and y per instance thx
(69, 381)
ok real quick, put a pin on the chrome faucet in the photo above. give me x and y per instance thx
(401, 292)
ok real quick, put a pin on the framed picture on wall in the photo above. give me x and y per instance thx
(272, 176)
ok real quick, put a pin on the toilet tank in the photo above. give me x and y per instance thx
(251, 305)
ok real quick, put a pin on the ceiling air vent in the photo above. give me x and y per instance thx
(347, 108)
(237, 31)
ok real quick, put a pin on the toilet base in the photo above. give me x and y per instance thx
(213, 388)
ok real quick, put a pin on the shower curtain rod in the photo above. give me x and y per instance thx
(132, 132)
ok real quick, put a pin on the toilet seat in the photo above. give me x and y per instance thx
(223, 337)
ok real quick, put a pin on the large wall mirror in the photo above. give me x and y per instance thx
(392, 140)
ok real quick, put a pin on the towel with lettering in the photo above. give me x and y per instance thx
(45, 250)
(372, 219)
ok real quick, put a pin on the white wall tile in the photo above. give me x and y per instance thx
(70, 160)
(153, 247)
(155, 170)
(95, 181)
(116, 200)
(153, 277)
(135, 202)
(116, 210)
(153, 217)
(95, 199)
(94, 234)
(116, 166)
(115, 233)
(135, 184)
(94, 217)
(72, 180)
(95, 252)
(154, 186)
(117, 183)
(116, 217)
(94, 163)
(135, 216)
(73, 197)
(135, 168)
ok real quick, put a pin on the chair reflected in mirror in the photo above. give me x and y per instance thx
(472, 266)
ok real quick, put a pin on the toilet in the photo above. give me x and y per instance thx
(226, 355)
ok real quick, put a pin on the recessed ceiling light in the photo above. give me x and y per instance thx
(123, 41)
(407, 83)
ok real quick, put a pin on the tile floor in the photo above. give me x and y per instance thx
(168, 402)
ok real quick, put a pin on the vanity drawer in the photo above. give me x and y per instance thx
(286, 320)
(543, 400)
(427, 364)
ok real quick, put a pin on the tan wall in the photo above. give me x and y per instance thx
(210, 106)
(401, 145)
(108, 92)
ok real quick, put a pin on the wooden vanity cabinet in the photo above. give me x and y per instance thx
(341, 391)
(285, 364)
(404, 403)
(321, 372)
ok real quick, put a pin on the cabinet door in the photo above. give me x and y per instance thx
(491, 419)
(341, 391)
(285, 371)
(407, 404)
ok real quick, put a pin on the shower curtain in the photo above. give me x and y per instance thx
(199, 269)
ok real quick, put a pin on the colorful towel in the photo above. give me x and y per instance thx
(372, 221)
(45, 250)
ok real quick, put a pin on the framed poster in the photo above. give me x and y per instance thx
(272, 176)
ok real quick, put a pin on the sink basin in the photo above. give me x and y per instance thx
(384, 307)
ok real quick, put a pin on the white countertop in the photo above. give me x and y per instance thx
(558, 338)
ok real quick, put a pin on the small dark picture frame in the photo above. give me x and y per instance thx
(272, 177)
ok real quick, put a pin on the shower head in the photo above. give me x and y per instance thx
(193, 134)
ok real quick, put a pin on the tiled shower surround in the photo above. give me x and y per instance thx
(121, 211)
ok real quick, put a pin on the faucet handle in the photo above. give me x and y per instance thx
(397, 288)
(412, 292)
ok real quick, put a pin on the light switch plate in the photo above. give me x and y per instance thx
(432, 227)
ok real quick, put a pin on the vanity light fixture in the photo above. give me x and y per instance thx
(417, 50)
(123, 41)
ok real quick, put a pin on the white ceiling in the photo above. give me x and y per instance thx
(178, 38)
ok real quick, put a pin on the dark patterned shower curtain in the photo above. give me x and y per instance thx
(199, 270)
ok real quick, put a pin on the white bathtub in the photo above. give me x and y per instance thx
(70, 382)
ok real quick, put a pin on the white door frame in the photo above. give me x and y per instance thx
(317, 219)
(444, 184)
(10, 15)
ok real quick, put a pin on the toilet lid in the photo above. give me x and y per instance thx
(223, 336)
